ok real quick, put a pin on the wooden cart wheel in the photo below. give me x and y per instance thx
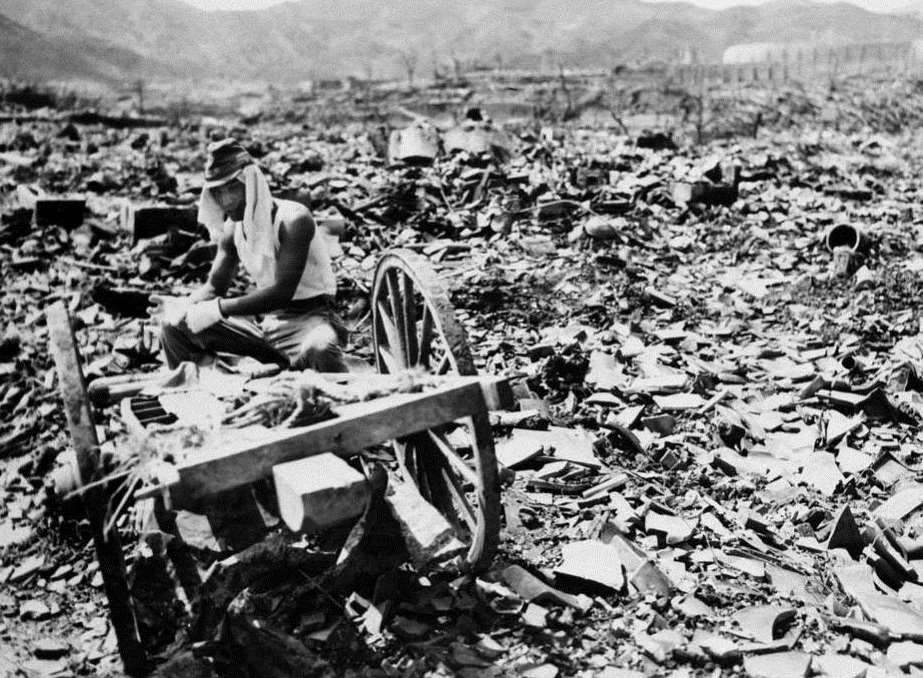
(86, 446)
(453, 466)
(413, 320)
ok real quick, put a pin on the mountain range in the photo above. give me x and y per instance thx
(119, 40)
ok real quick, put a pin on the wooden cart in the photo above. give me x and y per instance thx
(413, 324)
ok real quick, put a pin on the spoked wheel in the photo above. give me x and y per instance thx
(414, 321)
(453, 466)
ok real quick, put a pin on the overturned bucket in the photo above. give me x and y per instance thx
(848, 244)
(848, 236)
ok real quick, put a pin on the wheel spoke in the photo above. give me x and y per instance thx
(426, 337)
(391, 286)
(459, 464)
(418, 470)
(404, 462)
(410, 321)
(429, 466)
(393, 336)
(392, 364)
(395, 301)
(460, 502)
(445, 364)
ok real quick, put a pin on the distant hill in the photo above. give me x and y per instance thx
(913, 8)
(29, 54)
(322, 38)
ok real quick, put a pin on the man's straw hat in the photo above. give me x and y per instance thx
(226, 159)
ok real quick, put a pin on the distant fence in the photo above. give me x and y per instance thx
(721, 74)
(785, 64)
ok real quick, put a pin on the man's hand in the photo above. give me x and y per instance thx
(202, 315)
(168, 310)
(203, 293)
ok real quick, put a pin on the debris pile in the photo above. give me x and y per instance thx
(714, 463)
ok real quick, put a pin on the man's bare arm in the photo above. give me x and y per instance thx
(223, 270)
(295, 237)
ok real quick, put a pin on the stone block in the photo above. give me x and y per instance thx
(319, 492)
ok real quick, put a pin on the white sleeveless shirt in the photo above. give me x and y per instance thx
(318, 277)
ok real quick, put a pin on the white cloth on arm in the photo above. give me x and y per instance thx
(203, 315)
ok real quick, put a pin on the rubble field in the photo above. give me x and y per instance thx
(714, 464)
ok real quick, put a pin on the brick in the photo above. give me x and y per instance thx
(704, 192)
(149, 221)
(685, 192)
(318, 492)
(64, 212)
(417, 144)
(470, 137)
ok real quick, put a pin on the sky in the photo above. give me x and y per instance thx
(232, 4)
(873, 5)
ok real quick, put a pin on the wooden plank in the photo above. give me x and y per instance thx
(83, 436)
(73, 391)
(485, 541)
(842, 397)
(228, 463)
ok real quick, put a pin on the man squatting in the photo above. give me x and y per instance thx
(276, 242)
